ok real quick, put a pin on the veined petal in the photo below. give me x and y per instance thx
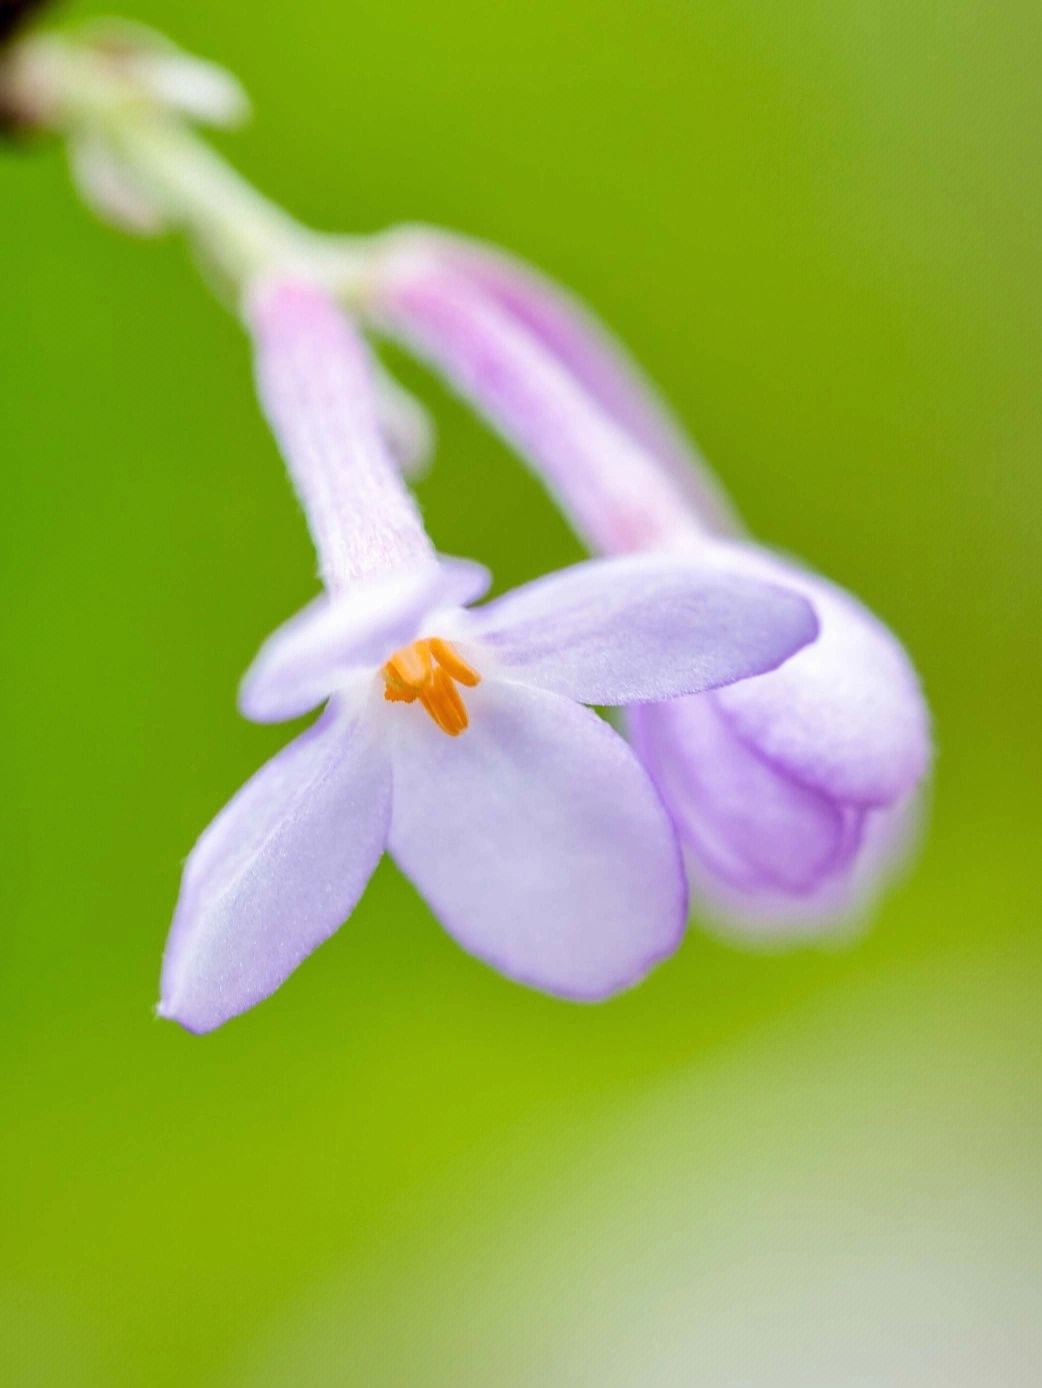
(641, 628)
(595, 358)
(331, 639)
(538, 841)
(279, 869)
(749, 823)
(847, 714)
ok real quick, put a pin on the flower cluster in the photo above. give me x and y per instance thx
(453, 736)
(778, 740)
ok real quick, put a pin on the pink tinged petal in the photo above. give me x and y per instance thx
(616, 492)
(640, 628)
(847, 714)
(567, 330)
(279, 869)
(332, 640)
(538, 841)
(750, 824)
(316, 387)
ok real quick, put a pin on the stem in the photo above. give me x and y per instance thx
(242, 232)
(82, 92)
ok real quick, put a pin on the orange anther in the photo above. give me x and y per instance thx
(411, 666)
(411, 674)
(449, 657)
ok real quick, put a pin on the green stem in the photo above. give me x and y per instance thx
(241, 231)
(67, 87)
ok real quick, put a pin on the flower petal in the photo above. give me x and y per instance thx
(847, 714)
(642, 627)
(837, 909)
(538, 841)
(585, 348)
(749, 823)
(167, 76)
(277, 872)
(331, 639)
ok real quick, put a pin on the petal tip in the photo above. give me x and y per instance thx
(636, 974)
(166, 1010)
(254, 698)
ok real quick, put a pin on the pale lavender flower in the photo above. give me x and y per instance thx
(794, 791)
(525, 821)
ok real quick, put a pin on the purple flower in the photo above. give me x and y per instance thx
(795, 791)
(454, 738)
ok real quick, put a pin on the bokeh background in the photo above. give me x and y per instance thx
(818, 226)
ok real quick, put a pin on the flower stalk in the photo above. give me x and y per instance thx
(102, 87)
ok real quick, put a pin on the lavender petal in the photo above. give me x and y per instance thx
(538, 841)
(642, 627)
(276, 873)
(751, 825)
(847, 714)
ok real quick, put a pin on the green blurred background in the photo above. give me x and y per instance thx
(818, 227)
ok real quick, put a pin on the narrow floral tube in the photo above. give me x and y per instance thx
(584, 348)
(316, 386)
(617, 493)
(793, 791)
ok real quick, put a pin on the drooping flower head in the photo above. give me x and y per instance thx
(791, 789)
(794, 791)
(454, 737)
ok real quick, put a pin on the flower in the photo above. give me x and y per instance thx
(794, 791)
(455, 738)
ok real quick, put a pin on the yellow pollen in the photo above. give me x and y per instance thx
(429, 670)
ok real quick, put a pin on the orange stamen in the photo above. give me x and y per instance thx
(449, 657)
(411, 674)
